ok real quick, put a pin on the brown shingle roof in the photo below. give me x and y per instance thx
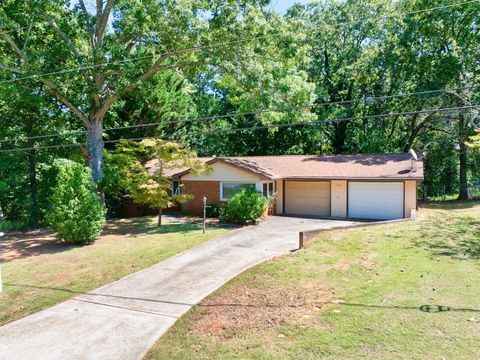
(339, 166)
(371, 166)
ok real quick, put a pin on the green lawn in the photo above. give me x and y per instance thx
(57, 272)
(404, 291)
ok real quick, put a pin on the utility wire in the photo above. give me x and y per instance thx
(256, 112)
(269, 126)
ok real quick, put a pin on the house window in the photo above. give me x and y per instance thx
(268, 189)
(176, 188)
(230, 189)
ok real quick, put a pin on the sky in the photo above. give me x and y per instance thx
(282, 5)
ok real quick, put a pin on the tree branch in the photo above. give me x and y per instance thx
(50, 85)
(64, 37)
(12, 69)
(14, 46)
(84, 8)
(104, 18)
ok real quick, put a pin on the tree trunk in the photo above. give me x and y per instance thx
(339, 137)
(33, 187)
(95, 149)
(463, 136)
(463, 172)
(160, 217)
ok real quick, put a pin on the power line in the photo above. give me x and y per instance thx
(173, 52)
(269, 126)
(256, 112)
(440, 7)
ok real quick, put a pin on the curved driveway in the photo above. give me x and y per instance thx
(122, 320)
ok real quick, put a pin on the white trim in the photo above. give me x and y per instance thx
(257, 185)
(268, 188)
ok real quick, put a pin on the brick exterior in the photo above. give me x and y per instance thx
(131, 209)
(199, 189)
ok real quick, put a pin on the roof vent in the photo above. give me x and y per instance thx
(414, 154)
(413, 161)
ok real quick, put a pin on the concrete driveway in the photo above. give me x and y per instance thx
(123, 320)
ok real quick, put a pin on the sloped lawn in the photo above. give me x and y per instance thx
(404, 291)
(39, 272)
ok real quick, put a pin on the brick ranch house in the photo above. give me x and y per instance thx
(382, 186)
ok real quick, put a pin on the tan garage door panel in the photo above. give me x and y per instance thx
(307, 198)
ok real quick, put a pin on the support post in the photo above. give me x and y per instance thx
(204, 214)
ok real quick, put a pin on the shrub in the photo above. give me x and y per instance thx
(213, 211)
(245, 207)
(76, 213)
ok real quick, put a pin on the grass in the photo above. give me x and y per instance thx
(403, 291)
(32, 283)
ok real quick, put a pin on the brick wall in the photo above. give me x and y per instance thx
(131, 209)
(199, 189)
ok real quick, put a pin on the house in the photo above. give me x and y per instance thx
(382, 186)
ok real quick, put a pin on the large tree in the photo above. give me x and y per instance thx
(441, 47)
(100, 52)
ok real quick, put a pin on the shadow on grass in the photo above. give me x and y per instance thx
(33, 243)
(429, 308)
(456, 237)
(17, 245)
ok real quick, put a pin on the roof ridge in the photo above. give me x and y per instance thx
(313, 155)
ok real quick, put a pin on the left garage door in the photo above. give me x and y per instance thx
(311, 198)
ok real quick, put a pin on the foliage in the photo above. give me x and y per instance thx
(149, 184)
(474, 142)
(213, 211)
(76, 213)
(245, 207)
(145, 38)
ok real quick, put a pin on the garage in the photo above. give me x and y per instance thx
(309, 198)
(375, 200)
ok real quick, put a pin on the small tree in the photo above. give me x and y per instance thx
(76, 213)
(152, 187)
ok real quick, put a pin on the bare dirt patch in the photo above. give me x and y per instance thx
(247, 308)
(367, 262)
(342, 265)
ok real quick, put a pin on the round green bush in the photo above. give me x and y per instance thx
(245, 207)
(76, 213)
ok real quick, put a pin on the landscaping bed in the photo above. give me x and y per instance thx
(398, 291)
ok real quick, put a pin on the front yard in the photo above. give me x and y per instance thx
(403, 291)
(38, 272)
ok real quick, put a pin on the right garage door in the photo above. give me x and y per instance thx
(375, 200)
